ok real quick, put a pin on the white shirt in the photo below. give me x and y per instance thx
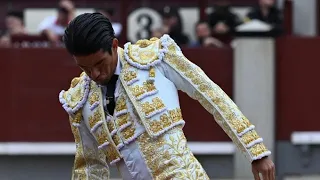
(117, 27)
(49, 23)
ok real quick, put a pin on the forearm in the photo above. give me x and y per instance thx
(191, 79)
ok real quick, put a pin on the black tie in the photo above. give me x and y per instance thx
(111, 87)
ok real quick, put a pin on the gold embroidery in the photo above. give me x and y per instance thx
(140, 91)
(126, 65)
(149, 86)
(94, 98)
(110, 125)
(121, 104)
(258, 149)
(165, 120)
(112, 154)
(143, 43)
(128, 132)
(123, 119)
(203, 87)
(94, 172)
(137, 91)
(93, 120)
(154, 39)
(175, 115)
(152, 72)
(155, 126)
(246, 121)
(143, 53)
(79, 163)
(250, 136)
(78, 117)
(239, 126)
(226, 113)
(102, 138)
(144, 56)
(74, 82)
(129, 75)
(168, 157)
(149, 108)
(172, 48)
(158, 103)
(76, 134)
(76, 97)
(116, 139)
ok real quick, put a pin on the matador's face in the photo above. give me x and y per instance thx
(99, 66)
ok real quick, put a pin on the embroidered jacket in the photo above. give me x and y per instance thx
(152, 72)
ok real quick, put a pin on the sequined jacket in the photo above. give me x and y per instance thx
(152, 72)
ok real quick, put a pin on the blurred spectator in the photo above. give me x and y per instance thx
(172, 25)
(14, 26)
(53, 26)
(222, 20)
(204, 38)
(268, 13)
(158, 32)
(109, 13)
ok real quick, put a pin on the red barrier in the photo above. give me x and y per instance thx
(298, 85)
(34, 77)
(32, 111)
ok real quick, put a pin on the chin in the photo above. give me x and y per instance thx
(104, 82)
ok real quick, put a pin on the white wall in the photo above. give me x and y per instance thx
(33, 17)
(305, 16)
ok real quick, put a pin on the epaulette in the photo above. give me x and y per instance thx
(76, 96)
(144, 53)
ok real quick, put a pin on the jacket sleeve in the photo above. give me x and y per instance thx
(190, 79)
(89, 162)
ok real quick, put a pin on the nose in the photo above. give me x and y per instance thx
(95, 73)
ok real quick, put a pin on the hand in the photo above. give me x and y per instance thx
(52, 36)
(264, 166)
(210, 41)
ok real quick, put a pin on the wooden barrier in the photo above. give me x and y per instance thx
(33, 79)
(298, 86)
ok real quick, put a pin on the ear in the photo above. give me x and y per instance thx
(115, 44)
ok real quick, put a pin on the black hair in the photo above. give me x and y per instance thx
(88, 33)
(201, 22)
(18, 14)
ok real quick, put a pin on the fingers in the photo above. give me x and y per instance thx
(269, 173)
(256, 175)
(272, 173)
(265, 175)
